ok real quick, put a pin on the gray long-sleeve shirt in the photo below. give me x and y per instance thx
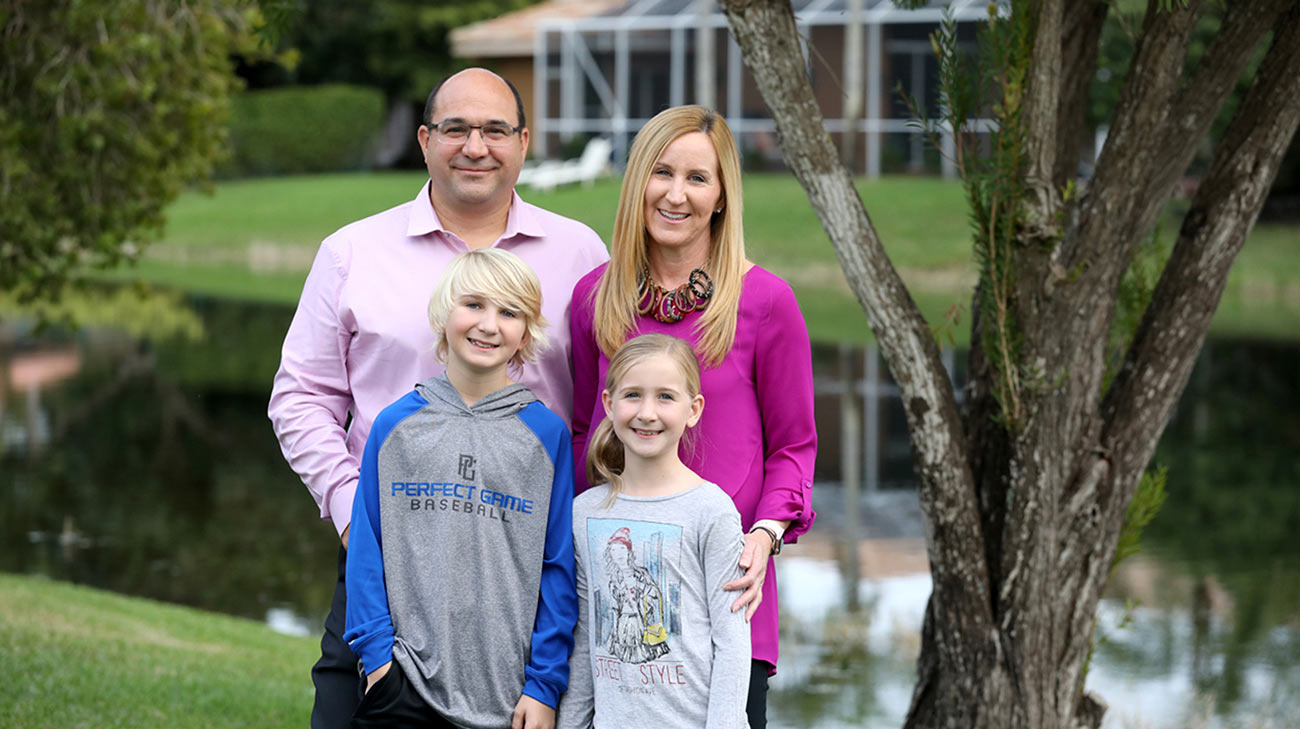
(657, 643)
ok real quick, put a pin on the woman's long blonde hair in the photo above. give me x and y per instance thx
(605, 450)
(616, 297)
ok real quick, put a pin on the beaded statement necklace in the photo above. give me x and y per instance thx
(670, 306)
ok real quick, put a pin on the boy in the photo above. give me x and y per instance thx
(460, 561)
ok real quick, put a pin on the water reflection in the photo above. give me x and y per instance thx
(150, 469)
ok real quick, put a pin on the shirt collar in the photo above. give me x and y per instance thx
(521, 220)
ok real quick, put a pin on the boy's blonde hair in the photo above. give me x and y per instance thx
(500, 277)
(605, 450)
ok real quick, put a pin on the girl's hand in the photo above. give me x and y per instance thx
(532, 714)
(758, 548)
(373, 677)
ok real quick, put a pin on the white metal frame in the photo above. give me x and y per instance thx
(578, 66)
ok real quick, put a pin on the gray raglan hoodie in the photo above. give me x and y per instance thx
(460, 556)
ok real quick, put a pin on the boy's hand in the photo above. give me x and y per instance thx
(373, 677)
(532, 714)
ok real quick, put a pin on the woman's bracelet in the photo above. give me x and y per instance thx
(776, 541)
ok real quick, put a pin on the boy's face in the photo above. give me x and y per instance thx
(483, 337)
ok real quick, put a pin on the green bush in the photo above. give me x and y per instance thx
(296, 129)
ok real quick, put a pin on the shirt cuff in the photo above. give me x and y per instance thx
(777, 527)
(341, 506)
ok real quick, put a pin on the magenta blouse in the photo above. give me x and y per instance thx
(757, 438)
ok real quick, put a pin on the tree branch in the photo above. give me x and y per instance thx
(1178, 116)
(1237, 40)
(1128, 192)
(1223, 211)
(1159, 362)
(1109, 221)
(1082, 24)
(1040, 117)
(770, 46)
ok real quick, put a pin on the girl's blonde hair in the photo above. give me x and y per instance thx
(605, 450)
(501, 278)
(616, 297)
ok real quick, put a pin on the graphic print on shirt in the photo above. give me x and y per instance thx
(636, 599)
(455, 496)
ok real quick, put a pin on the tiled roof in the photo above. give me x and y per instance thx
(512, 34)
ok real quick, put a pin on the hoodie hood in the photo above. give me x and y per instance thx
(501, 404)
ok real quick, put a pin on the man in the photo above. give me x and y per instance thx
(360, 337)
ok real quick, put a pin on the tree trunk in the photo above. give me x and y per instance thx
(1023, 518)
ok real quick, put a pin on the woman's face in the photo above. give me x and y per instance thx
(682, 195)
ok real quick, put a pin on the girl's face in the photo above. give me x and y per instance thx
(682, 195)
(650, 408)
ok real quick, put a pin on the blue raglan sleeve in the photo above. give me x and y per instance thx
(547, 674)
(369, 624)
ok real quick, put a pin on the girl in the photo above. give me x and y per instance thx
(657, 643)
(678, 267)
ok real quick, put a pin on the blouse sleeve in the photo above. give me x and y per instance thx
(586, 376)
(783, 379)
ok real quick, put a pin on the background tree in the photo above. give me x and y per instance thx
(399, 46)
(111, 108)
(1025, 488)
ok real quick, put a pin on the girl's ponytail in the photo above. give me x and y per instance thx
(605, 458)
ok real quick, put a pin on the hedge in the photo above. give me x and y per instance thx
(297, 129)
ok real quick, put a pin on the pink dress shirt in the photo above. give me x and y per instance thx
(361, 338)
(757, 438)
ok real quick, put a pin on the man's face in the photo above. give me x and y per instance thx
(470, 176)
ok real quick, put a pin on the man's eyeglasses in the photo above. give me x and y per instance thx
(454, 132)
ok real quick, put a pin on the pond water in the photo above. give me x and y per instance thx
(149, 468)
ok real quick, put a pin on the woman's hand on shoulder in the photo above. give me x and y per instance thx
(753, 559)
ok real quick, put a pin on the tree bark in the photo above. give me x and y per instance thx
(1022, 521)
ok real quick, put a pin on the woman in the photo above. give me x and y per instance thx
(638, 634)
(678, 267)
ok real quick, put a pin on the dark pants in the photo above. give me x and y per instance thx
(393, 704)
(338, 684)
(756, 706)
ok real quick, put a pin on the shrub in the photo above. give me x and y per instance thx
(297, 129)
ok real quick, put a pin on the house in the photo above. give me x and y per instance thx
(604, 67)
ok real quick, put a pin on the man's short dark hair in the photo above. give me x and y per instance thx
(519, 101)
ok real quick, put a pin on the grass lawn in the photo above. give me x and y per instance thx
(87, 658)
(255, 239)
